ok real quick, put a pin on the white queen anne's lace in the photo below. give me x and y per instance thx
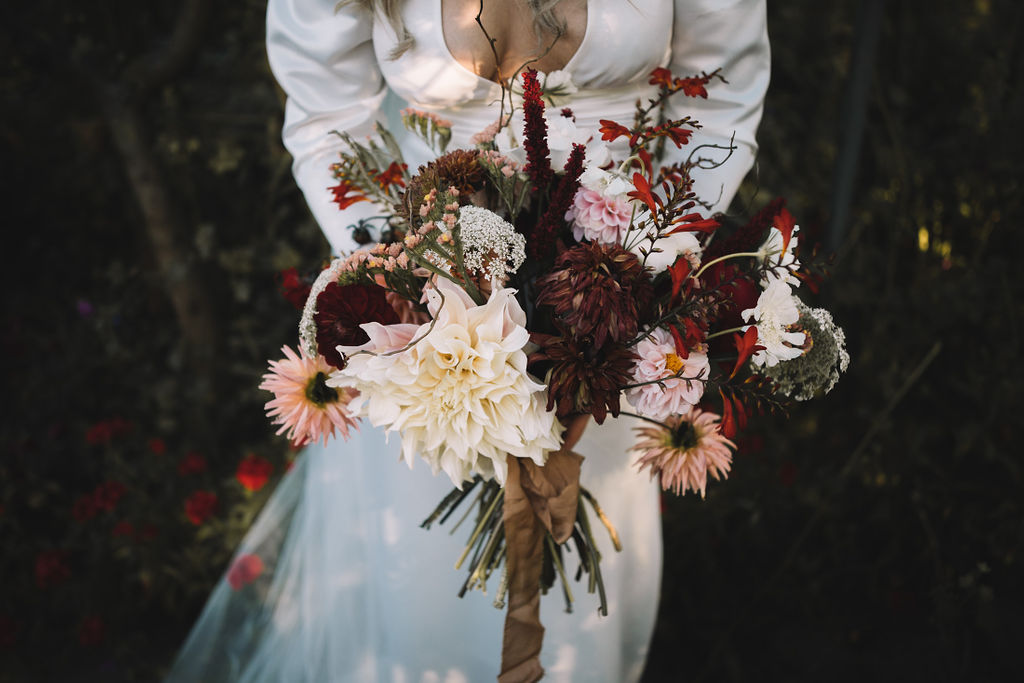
(490, 245)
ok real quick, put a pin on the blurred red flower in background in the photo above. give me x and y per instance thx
(254, 472)
(199, 506)
(244, 570)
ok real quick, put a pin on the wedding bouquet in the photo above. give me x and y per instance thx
(508, 296)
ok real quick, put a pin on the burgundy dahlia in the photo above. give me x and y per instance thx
(585, 377)
(598, 290)
(460, 169)
(341, 309)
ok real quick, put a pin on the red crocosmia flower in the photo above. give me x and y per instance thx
(746, 346)
(695, 334)
(728, 418)
(122, 529)
(254, 472)
(610, 130)
(392, 175)
(785, 224)
(192, 463)
(244, 570)
(346, 194)
(661, 76)
(680, 272)
(199, 506)
(643, 192)
(91, 631)
(108, 494)
(157, 446)
(694, 222)
(693, 87)
(51, 568)
(679, 136)
(682, 350)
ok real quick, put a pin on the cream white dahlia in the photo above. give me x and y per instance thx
(456, 388)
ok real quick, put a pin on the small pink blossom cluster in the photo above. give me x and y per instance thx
(487, 134)
(499, 161)
(388, 256)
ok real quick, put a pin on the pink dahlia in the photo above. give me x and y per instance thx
(685, 450)
(669, 384)
(599, 217)
(305, 407)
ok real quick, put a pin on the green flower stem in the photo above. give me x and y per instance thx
(499, 595)
(724, 332)
(480, 527)
(462, 519)
(595, 575)
(481, 572)
(752, 254)
(561, 573)
(604, 519)
(646, 419)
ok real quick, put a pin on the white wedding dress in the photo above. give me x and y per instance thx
(352, 589)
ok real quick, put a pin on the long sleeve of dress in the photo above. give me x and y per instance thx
(324, 61)
(731, 35)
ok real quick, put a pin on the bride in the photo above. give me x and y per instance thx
(336, 581)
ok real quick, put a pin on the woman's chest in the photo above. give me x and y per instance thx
(619, 43)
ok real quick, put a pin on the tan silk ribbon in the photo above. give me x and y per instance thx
(537, 500)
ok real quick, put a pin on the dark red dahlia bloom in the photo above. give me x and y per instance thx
(341, 309)
(460, 169)
(598, 290)
(585, 377)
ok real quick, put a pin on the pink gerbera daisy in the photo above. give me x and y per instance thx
(305, 407)
(685, 450)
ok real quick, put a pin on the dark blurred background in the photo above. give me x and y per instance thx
(149, 212)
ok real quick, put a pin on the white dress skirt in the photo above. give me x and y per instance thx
(351, 588)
